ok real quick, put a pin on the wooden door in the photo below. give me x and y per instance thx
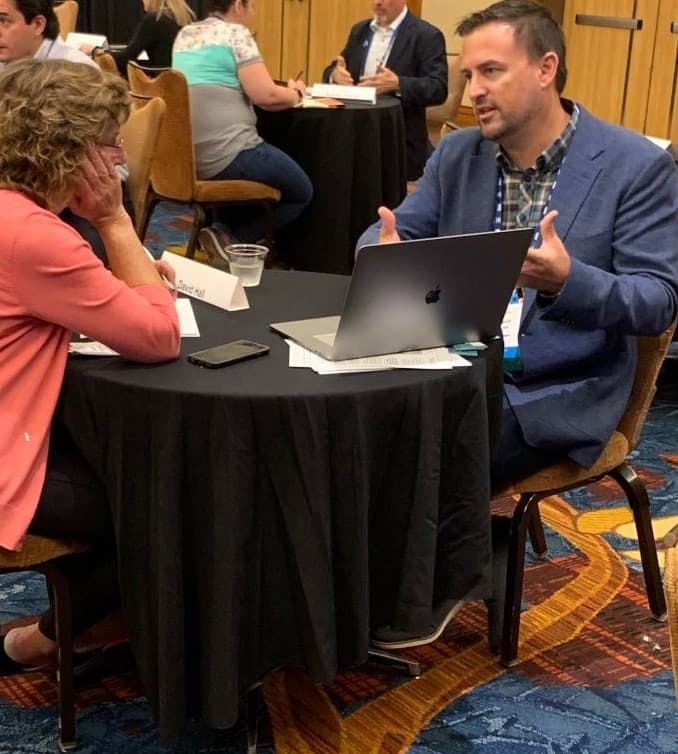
(330, 23)
(662, 106)
(295, 18)
(267, 30)
(600, 38)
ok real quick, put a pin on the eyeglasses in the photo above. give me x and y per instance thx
(119, 144)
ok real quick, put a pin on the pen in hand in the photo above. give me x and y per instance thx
(299, 75)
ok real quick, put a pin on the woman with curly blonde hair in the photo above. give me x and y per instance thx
(59, 129)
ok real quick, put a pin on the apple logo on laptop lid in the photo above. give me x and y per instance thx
(432, 296)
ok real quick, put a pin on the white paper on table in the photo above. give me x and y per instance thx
(339, 91)
(188, 327)
(91, 348)
(187, 322)
(77, 38)
(429, 358)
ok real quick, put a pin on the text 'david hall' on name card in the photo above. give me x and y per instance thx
(207, 283)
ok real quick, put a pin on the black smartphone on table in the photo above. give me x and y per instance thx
(228, 353)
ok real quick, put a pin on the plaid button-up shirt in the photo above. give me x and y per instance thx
(526, 192)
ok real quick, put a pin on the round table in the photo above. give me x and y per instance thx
(271, 516)
(355, 158)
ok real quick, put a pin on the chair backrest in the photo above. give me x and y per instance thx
(106, 62)
(140, 138)
(651, 353)
(456, 84)
(67, 15)
(173, 169)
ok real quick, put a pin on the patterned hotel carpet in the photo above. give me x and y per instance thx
(595, 673)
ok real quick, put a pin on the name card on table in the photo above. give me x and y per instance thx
(207, 283)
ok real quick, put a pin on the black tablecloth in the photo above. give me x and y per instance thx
(355, 158)
(270, 516)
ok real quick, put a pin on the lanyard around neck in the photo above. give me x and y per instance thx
(499, 209)
(368, 43)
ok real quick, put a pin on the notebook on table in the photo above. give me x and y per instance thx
(419, 294)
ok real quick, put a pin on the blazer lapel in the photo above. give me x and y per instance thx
(401, 42)
(577, 174)
(480, 189)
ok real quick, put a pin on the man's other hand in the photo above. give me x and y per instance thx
(387, 231)
(384, 80)
(546, 268)
(340, 74)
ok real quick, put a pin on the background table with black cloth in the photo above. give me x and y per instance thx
(269, 516)
(118, 18)
(355, 158)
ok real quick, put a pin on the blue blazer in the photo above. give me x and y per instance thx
(418, 58)
(617, 198)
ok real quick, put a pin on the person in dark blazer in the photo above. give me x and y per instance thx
(604, 262)
(401, 55)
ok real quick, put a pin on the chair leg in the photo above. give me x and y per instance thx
(143, 224)
(413, 667)
(639, 501)
(64, 638)
(198, 223)
(537, 537)
(515, 567)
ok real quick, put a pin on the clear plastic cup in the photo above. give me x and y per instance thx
(246, 260)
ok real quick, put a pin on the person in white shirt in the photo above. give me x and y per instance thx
(30, 29)
(401, 55)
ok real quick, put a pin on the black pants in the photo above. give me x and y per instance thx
(89, 232)
(73, 506)
(512, 458)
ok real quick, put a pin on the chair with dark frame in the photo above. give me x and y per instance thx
(504, 612)
(173, 175)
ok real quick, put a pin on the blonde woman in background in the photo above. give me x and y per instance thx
(154, 34)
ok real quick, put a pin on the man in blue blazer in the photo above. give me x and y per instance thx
(604, 263)
(402, 55)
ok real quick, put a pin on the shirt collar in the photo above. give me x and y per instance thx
(392, 26)
(549, 160)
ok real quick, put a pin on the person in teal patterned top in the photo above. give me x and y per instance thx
(226, 75)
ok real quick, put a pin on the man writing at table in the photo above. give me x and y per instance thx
(398, 54)
(604, 262)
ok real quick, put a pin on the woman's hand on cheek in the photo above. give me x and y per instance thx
(98, 194)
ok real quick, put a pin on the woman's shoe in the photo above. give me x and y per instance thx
(213, 243)
(26, 642)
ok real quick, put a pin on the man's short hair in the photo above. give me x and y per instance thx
(534, 28)
(29, 9)
(51, 112)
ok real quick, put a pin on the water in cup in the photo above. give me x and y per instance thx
(247, 262)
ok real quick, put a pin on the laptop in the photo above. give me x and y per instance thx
(419, 294)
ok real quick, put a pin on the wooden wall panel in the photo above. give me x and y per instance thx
(598, 57)
(662, 104)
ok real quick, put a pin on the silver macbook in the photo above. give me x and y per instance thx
(419, 294)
